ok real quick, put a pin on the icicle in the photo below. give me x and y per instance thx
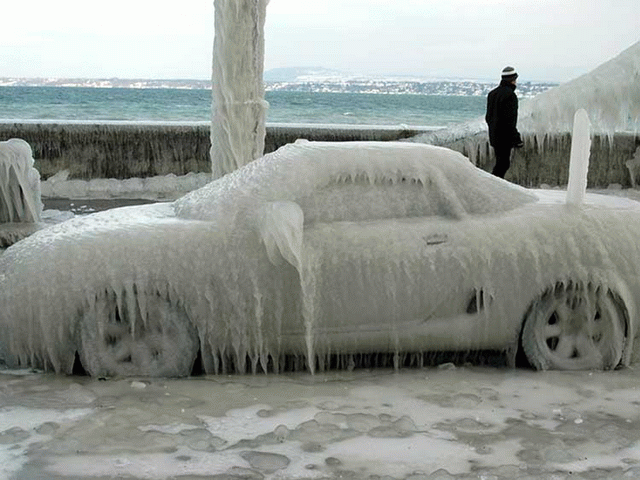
(309, 316)
(281, 231)
(260, 348)
(142, 305)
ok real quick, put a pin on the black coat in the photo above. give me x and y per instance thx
(502, 116)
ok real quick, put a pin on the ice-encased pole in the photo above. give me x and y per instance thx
(579, 158)
(239, 108)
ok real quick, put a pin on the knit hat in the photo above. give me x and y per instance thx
(509, 73)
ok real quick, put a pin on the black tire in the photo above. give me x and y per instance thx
(575, 327)
(117, 341)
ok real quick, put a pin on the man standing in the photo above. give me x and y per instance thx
(502, 116)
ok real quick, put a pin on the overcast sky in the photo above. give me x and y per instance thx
(554, 40)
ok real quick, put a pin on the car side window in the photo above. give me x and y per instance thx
(358, 199)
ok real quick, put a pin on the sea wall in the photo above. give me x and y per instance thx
(129, 150)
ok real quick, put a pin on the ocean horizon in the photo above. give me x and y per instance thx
(184, 106)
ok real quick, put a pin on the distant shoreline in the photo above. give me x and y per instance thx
(320, 85)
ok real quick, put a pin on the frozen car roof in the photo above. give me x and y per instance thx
(333, 182)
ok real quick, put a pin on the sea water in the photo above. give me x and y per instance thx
(189, 105)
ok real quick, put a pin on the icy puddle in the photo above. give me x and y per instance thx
(443, 423)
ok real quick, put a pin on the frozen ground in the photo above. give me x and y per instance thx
(431, 423)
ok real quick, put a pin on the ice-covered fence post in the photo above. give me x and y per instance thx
(579, 158)
(632, 166)
(20, 199)
(239, 108)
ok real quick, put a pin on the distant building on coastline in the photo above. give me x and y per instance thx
(306, 84)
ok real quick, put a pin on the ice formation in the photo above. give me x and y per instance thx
(169, 187)
(610, 94)
(308, 258)
(19, 183)
(238, 127)
(20, 205)
(579, 159)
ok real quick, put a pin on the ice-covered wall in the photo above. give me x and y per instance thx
(546, 161)
(239, 112)
(115, 150)
(19, 183)
(126, 150)
(121, 150)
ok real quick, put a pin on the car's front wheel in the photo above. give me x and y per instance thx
(575, 327)
(121, 337)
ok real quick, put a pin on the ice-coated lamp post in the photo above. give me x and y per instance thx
(579, 158)
(239, 108)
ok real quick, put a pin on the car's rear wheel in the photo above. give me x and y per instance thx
(117, 339)
(575, 327)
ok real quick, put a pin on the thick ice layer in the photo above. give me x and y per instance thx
(610, 94)
(19, 183)
(316, 252)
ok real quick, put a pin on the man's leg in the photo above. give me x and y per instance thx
(503, 161)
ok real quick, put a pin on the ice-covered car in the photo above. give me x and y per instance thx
(322, 250)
